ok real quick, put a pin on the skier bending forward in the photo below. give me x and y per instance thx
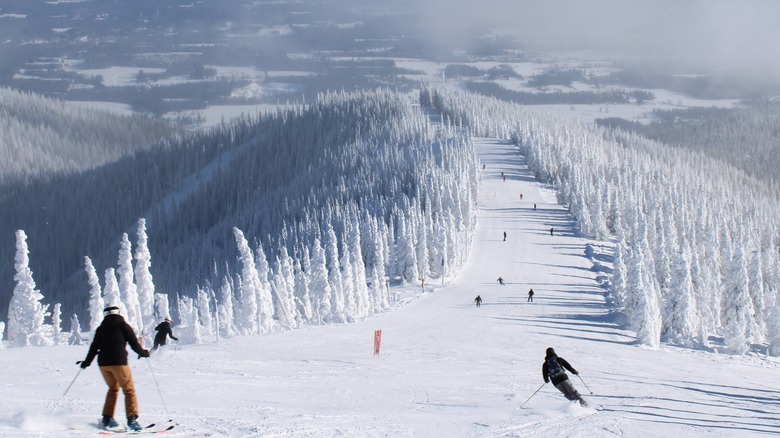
(554, 369)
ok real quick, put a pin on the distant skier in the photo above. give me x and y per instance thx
(109, 347)
(534, 207)
(500, 281)
(504, 236)
(554, 369)
(478, 300)
(551, 231)
(521, 196)
(163, 331)
(531, 296)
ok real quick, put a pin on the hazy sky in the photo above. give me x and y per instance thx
(719, 33)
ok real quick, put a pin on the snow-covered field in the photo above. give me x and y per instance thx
(446, 368)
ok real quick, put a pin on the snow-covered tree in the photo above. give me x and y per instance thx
(96, 304)
(204, 310)
(249, 323)
(161, 304)
(75, 337)
(226, 314)
(2, 333)
(319, 281)
(111, 292)
(127, 288)
(265, 301)
(143, 278)
(26, 313)
(56, 322)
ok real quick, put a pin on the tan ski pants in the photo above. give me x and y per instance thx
(119, 376)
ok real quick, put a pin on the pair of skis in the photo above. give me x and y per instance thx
(152, 428)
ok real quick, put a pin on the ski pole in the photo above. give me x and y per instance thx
(165, 406)
(586, 385)
(532, 395)
(74, 379)
(57, 406)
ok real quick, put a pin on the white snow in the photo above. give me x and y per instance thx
(446, 368)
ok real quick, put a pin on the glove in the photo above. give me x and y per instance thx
(144, 353)
(83, 364)
(176, 339)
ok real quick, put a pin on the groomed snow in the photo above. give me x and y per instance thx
(446, 368)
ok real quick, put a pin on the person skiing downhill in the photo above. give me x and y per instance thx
(554, 369)
(163, 331)
(109, 347)
(478, 300)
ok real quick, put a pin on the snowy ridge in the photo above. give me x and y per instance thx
(446, 368)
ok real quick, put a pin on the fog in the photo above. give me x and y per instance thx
(736, 36)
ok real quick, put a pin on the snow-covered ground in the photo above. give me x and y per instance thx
(446, 368)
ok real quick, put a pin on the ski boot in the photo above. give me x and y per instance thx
(132, 423)
(109, 423)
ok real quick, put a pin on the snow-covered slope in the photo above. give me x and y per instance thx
(446, 368)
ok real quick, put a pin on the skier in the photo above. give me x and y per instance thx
(500, 281)
(109, 347)
(478, 300)
(163, 331)
(504, 236)
(554, 368)
(531, 296)
(551, 231)
(534, 207)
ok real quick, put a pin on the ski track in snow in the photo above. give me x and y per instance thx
(446, 367)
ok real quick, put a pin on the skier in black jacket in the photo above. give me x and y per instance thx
(163, 331)
(554, 369)
(109, 347)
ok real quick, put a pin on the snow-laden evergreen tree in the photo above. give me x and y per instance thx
(26, 313)
(96, 304)
(319, 281)
(285, 287)
(737, 306)
(249, 323)
(301, 284)
(111, 292)
(363, 303)
(75, 337)
(265, 301)
(226, 316)
(128, 291)
(204, 311)
(682, 321)
(56, 323)
(143, 278)
(348, 283)
(331, 247)
(189, 328)
(162, 306)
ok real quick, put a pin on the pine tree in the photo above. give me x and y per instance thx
(143, 277)
(26, 313)
(319, 281)
(250, 285)
(76, 337)
(128, 291)
(96, 304)
(56, 322)
(226, 316)
(111, 292)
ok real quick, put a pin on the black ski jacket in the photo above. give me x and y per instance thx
(163, 330)
(109, 342)
(557, 379)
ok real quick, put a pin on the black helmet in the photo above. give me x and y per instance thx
(550, 351)
(111, 310)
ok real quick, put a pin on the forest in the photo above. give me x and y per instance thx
(304, 217)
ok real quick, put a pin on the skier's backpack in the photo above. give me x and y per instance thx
(554, 369)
